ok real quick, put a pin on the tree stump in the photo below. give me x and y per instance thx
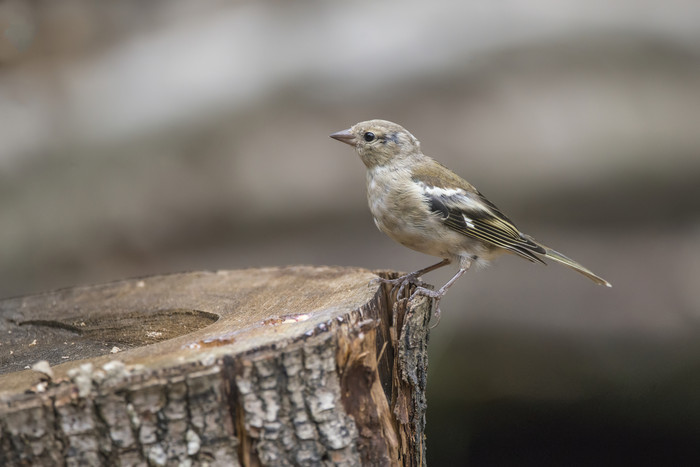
(277, 366)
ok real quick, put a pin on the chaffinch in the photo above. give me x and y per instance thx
(425, 206)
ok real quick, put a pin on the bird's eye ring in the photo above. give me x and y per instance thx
(369, 136)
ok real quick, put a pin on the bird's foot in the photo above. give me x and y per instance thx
(435, 295)
(402, 282)
(420, 290)
(411, 278)
(414, 279)
(436, 314)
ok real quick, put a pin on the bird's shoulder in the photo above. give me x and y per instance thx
(456, 200)
(433, 175)
(439, 183)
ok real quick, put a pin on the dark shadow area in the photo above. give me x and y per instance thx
(536, 434)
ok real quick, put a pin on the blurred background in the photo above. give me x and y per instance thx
(144, 138)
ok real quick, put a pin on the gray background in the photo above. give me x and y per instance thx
(151, 137)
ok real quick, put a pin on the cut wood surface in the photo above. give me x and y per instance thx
(276, 366)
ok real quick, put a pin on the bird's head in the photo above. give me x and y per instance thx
(379, 142)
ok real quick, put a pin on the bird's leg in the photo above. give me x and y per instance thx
(412, 277)
(438, 294)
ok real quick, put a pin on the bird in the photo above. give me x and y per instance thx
(426, 207)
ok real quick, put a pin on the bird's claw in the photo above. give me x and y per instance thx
(435, 295)
(412, 279)
(406, 278)
(437, 314)
(420, 290)
(401, 282)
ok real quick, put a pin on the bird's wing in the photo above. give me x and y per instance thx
(463, 209)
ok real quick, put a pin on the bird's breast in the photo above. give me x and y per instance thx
(386, 198)
(401, 212)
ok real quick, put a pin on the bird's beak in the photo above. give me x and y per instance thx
(344, 136)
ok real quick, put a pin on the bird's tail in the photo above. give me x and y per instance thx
(558, 257)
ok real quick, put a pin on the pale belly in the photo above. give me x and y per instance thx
(403, 215)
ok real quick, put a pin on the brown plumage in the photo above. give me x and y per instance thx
(425, 206)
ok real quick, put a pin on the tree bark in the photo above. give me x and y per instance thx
(278, 366)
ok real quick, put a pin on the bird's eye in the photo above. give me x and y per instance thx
(369, 136)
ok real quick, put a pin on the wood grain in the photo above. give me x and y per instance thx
(277, 366)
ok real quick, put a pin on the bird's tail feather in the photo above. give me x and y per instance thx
(560, 258)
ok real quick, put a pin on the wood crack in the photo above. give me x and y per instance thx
(302, 366)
